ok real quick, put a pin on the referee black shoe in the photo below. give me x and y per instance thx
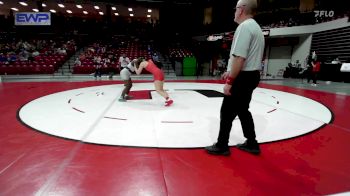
(216, 150)
(251, 147)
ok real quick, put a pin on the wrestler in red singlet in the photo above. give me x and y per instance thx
(158, 76)
(153, 69)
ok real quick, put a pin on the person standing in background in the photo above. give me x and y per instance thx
(309, 68)
(316, 67)
(242, 78)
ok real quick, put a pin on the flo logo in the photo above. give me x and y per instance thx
(323, 13)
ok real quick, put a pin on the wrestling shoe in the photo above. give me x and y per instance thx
(169, 102)
(128, 97)
(121, 99)
(216, 150)
(251, 147)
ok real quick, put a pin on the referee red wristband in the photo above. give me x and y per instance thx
(229, 80)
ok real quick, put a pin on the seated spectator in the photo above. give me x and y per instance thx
(155, 57)
(97, 59)
(30, 56)
(11, 57)
(336, 61)
(3, 58)
(35, 53)
(77, 62)
(23, 55)
(62, 51)
(82, 57)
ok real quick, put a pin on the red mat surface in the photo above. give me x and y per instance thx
(35, 163)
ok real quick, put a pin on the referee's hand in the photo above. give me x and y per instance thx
(227, 89)
(225, 75)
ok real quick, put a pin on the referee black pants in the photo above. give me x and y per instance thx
(237, 104)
